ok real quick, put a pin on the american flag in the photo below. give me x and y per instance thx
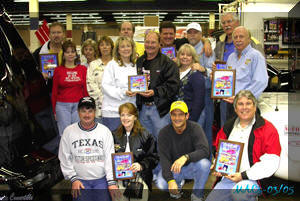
(43, 33)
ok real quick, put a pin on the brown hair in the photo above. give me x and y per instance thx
(132, 26)
(54, 24)
(116, 54)
(167, 24)
(93, 44)
(65, 46)
(137, 127)
(108, 40)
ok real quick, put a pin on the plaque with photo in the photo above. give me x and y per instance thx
(137, 83)
(228, 158)
(48, 63)
(121, 165)
(223, 83)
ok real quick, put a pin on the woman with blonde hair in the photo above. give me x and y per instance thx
(90, 51)
(192, 86)
(115, 81)
(132, 137)
(95, 73)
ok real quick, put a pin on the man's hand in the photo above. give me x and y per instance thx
(177, 165)
(136, 167)
(173, 188)
(236, 177)
(214, 66)
(206, 48)
(130, 93)
(198, 67)
(229, 100)
(114, 192)
(147, 93)
(76, 186)
(45, 76)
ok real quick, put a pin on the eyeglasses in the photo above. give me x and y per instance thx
(227, 21)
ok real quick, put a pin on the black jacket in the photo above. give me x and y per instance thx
(164, 80)
(144, 152)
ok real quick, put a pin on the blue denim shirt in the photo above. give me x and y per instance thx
(205, 62)
(251, 70)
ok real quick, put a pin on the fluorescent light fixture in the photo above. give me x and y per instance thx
(48, 1)
(133, 17)
(141, 13)
(193, 17)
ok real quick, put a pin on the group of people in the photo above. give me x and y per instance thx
(168, 127)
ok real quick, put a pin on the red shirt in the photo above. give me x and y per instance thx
(69, 84)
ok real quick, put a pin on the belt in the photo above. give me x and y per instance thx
(149, 103)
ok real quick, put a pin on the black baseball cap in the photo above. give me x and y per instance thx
(87, 102)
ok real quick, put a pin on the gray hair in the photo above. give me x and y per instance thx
(247, 94)
(234, 15)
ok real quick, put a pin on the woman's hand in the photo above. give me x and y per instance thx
(76, 186)
(136, 167)
(130, 93)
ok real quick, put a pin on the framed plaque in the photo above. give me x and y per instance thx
(169, 51)
(220, 65)
(228, 158)
(48, 63)
(223, 83)
(137, 83)
(121, 165)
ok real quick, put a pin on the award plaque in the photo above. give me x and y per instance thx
(223, 83)
(137, 83)
(169, 51)
(121, 165)
(48, 63)
(228, 158)
(220, 65)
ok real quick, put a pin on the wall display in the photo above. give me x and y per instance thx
(48, 63)
(223, 83)
(221, 65)
(228, 158)
(169, 51)
(137, 83)
(121, 165)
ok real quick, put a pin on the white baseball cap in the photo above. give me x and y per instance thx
(194, 25)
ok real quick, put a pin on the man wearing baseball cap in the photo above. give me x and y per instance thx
(85, 156)
(184, 153)
(194, 36)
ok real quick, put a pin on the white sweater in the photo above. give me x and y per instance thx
(114, 87)
(94, 82)
(86, 154)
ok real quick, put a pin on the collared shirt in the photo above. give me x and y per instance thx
(240, 134)
(205, 62)
(228, 49)
(251, 70)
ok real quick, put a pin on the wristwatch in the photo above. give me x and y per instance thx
(187, 157)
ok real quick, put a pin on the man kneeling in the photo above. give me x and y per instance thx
(261, 153)
(183, 151)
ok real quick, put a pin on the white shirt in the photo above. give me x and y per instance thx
(240, 134)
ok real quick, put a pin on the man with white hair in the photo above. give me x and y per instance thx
(250, 66)
(225, 47)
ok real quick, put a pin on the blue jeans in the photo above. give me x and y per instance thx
(66, 114)
(111, 122)
(207, 117)
(198, 171)
(150, 119)
(227, 190)
(94, 190)
(223, 112)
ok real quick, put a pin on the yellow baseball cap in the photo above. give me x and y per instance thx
(179, 105)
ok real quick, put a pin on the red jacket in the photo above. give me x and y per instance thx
(263, 139)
